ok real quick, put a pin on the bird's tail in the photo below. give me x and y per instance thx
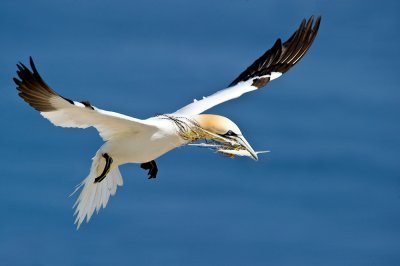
(94, 193)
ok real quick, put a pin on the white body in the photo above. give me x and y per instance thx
(144, 146)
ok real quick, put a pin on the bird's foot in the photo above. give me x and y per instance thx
(152, 167)
(107, 168)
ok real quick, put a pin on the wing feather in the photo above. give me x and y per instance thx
(68, 113)
(271, 65)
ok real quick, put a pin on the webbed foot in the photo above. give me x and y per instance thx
(152, 167)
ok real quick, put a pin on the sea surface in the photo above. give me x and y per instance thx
(328, 193)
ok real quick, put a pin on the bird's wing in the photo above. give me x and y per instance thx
(271, 65)
(67, 113)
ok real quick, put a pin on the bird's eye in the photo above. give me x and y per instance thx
(230, 133)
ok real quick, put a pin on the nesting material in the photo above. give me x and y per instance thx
(228, 150)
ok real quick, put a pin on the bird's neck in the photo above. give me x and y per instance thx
(189, 129)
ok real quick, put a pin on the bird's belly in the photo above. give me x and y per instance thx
(140, 149)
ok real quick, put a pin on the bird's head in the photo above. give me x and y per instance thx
(224, 130)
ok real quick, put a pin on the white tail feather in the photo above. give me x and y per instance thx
(96, 195)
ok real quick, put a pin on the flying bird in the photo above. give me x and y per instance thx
(132, 140)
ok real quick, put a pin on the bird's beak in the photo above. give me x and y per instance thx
(243, 142)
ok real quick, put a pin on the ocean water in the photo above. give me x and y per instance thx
(328, 193)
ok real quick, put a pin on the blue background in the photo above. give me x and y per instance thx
(327, 194)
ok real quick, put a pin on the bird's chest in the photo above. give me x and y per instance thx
(143, 148)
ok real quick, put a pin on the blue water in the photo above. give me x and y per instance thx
(327, 194)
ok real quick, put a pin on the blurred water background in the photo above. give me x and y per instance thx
(327, 194)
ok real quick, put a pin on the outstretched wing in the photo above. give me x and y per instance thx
(271, 65)
(67, 113)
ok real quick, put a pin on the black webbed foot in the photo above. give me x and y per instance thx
(107, 168)
(152, 167)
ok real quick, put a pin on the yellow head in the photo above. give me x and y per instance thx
(224, 128)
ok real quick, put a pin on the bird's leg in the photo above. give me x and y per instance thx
(152, 167)
(107, 168)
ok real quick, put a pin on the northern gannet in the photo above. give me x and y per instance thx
(132, 140)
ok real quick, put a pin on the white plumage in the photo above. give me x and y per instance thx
(96, 195)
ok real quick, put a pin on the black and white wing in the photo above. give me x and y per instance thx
(67, 113)
(271, 65)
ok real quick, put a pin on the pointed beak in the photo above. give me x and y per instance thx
(243, 142)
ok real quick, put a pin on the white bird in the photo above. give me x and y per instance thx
(132, 140)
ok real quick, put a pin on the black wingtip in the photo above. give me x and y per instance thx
(32, 89)
(32, 64)
(303, 22)
(17, 81)
(283, 56)
(278, 43)
(317, 23)
(310, 22)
